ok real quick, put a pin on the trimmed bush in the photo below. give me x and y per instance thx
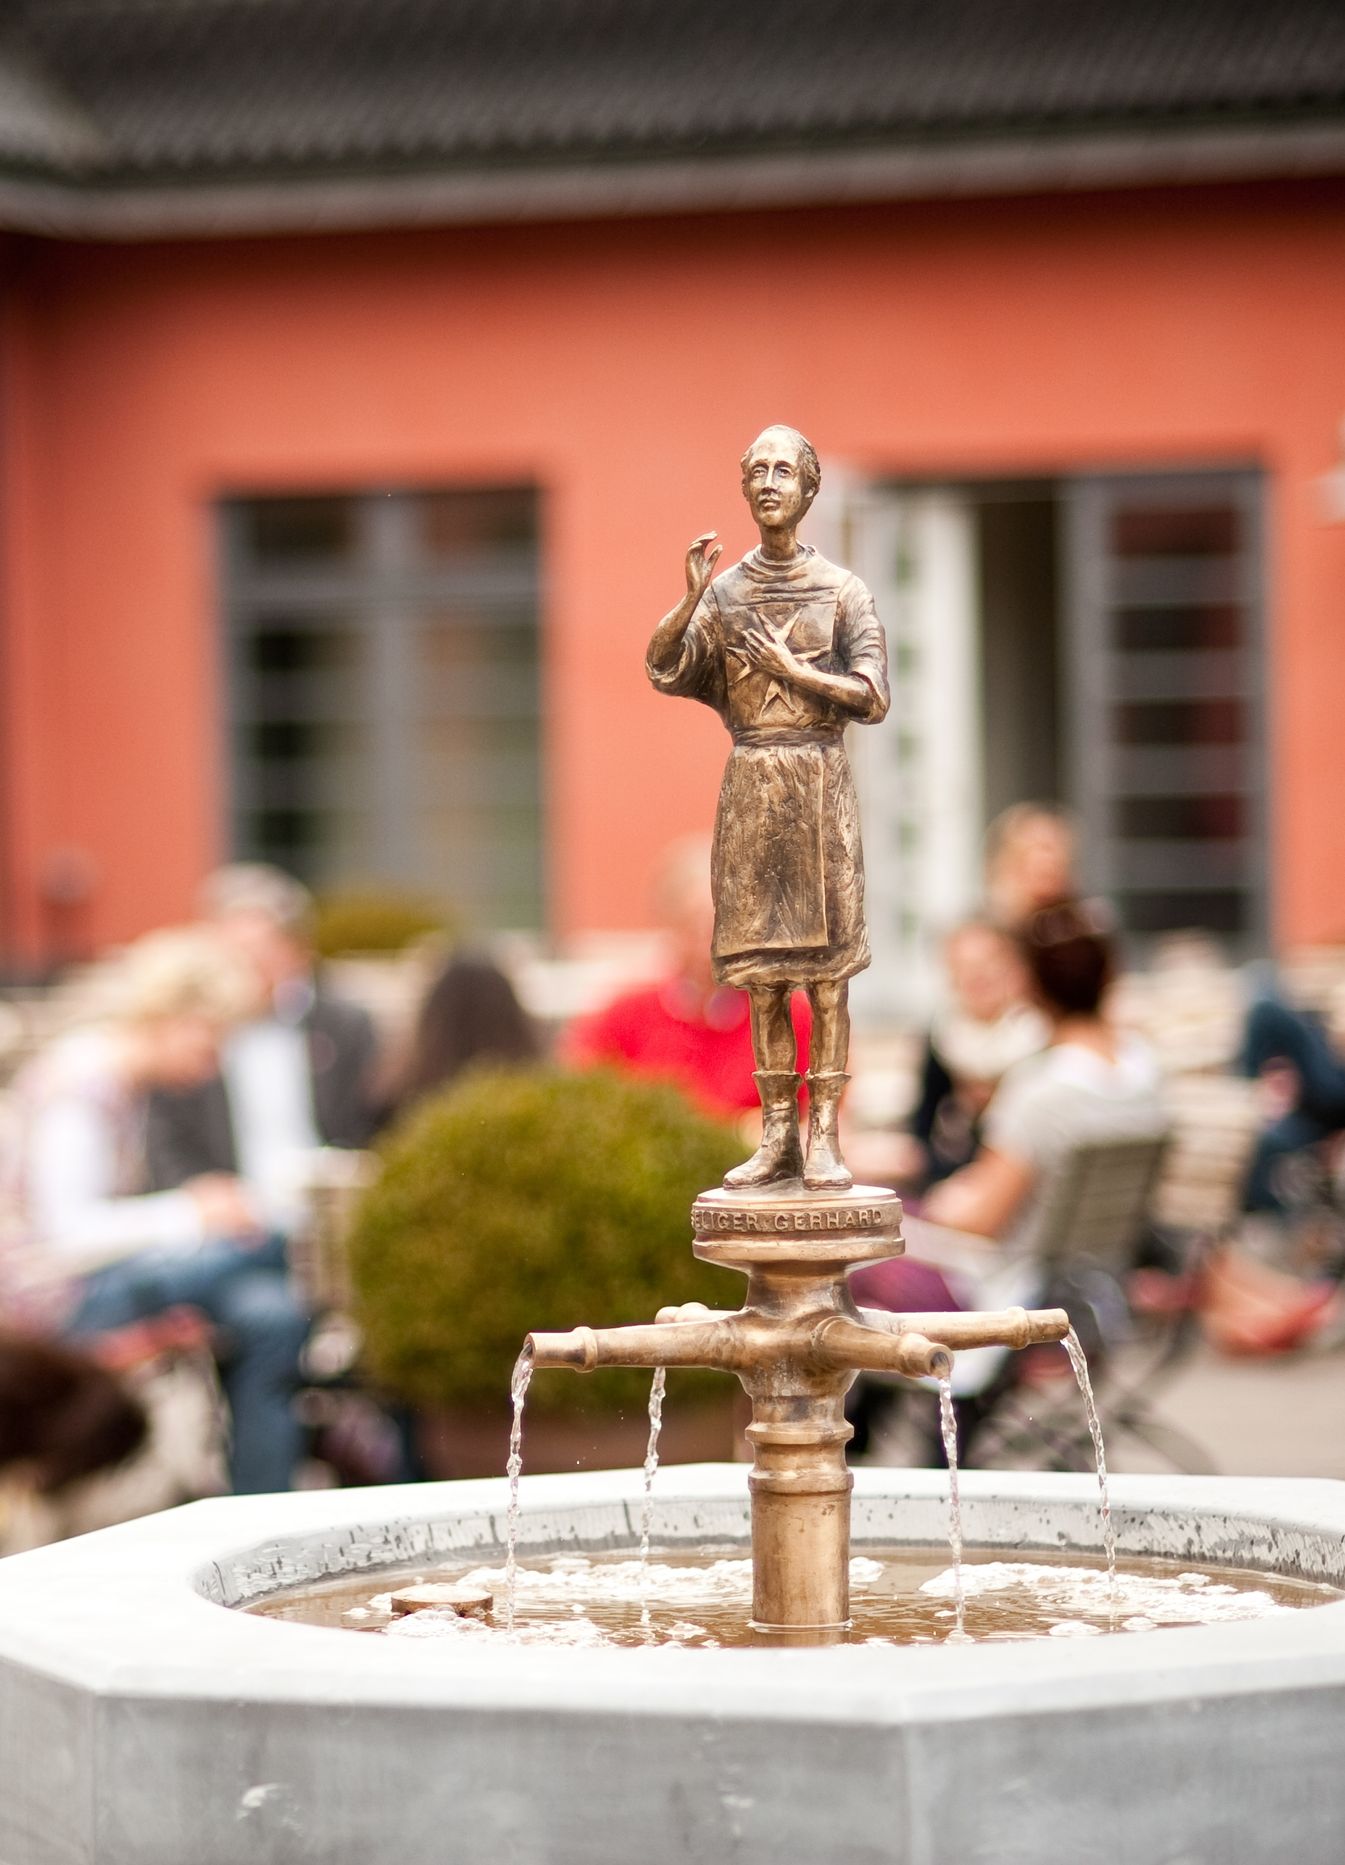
(523, 1200)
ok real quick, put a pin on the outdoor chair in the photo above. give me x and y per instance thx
(1195, 1206)
(1094, 1212)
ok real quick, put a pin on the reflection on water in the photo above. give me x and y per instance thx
(897, 1596)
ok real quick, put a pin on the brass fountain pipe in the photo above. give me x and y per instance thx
(681, 1343)
(1005, 1327)
(852, 1345)
(796, 1347)
(741, 1341)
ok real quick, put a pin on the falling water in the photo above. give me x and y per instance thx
(948, 1424)
(656, 1391)
(518, 1392)
(1080, 1364)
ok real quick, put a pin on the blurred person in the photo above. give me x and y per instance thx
(1087, 1084)
(106, 1253)
(1303, 1079)
(1090, 1083)
(686, 1029)
(988, 1025)
(470, 1014)
(294, 1076)
(1030, 855)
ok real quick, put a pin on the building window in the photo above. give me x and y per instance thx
(1163, 610)
(382, 663)
(1094, 641)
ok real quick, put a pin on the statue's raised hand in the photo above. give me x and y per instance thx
(701, 561)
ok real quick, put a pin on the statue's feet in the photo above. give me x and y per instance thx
(774, 1160)
(825, 1170)
(780, 1156)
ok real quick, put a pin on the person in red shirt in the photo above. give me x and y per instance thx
(684, 1029)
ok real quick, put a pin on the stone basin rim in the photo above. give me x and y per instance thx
(142, 1622)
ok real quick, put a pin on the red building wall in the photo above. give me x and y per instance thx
(622, 367)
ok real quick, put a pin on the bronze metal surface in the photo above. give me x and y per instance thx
(787, 649)
(796, 1344)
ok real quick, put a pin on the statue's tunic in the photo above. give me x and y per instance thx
(788, 871)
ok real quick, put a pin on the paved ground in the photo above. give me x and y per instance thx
(1273, 1417)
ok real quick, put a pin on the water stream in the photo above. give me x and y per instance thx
(657, 1388)
(518, 1392)
(1077, 1360)
(519, 1381)
(948, 1426)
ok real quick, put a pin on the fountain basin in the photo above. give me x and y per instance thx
(141, 1722)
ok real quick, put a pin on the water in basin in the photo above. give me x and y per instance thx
(898, 1596)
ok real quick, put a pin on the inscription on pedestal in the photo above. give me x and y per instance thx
(860, 1218)
(710, 1220)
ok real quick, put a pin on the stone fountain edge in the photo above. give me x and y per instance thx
(113, 1642)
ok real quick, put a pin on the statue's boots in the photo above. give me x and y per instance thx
(780, 1155)
(825, 1170)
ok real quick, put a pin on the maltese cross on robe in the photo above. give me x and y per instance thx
(779, 695)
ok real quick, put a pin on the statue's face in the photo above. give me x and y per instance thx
(773, 483)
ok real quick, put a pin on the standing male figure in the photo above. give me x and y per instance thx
(788, 651)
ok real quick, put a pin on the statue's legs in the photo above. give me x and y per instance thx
(825, 1170)
(780, 1155)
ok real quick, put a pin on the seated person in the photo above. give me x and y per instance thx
(295, 1076)
(974, 1244)
(1294, 1055)
(470, 1016)
(988, 1025)
(686, 1029)
(99, 1251)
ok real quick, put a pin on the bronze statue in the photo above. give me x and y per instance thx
(788, 651)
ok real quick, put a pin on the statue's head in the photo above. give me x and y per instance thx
(780, 477)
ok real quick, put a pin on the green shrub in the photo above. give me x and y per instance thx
(532, 1200)
(375, 920)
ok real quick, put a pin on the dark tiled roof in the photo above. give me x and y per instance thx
(136, 91)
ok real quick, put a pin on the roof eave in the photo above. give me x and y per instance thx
(722, 184)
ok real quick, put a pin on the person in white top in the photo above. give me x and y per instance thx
(106, 1253)
(974, 1242)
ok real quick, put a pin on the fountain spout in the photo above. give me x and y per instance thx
(796, 1345)
(1005, 1327)
(680, 1343)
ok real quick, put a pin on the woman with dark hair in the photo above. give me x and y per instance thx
(978, 1232)
(1090, 1083)
(469, 1015)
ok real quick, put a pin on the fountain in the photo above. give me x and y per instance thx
(144, 1721)
(796, 1345)
(787, 649)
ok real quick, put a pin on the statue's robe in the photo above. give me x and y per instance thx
(788, 870)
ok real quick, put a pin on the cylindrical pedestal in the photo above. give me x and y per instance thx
(800, 1489)
(795, 1246)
